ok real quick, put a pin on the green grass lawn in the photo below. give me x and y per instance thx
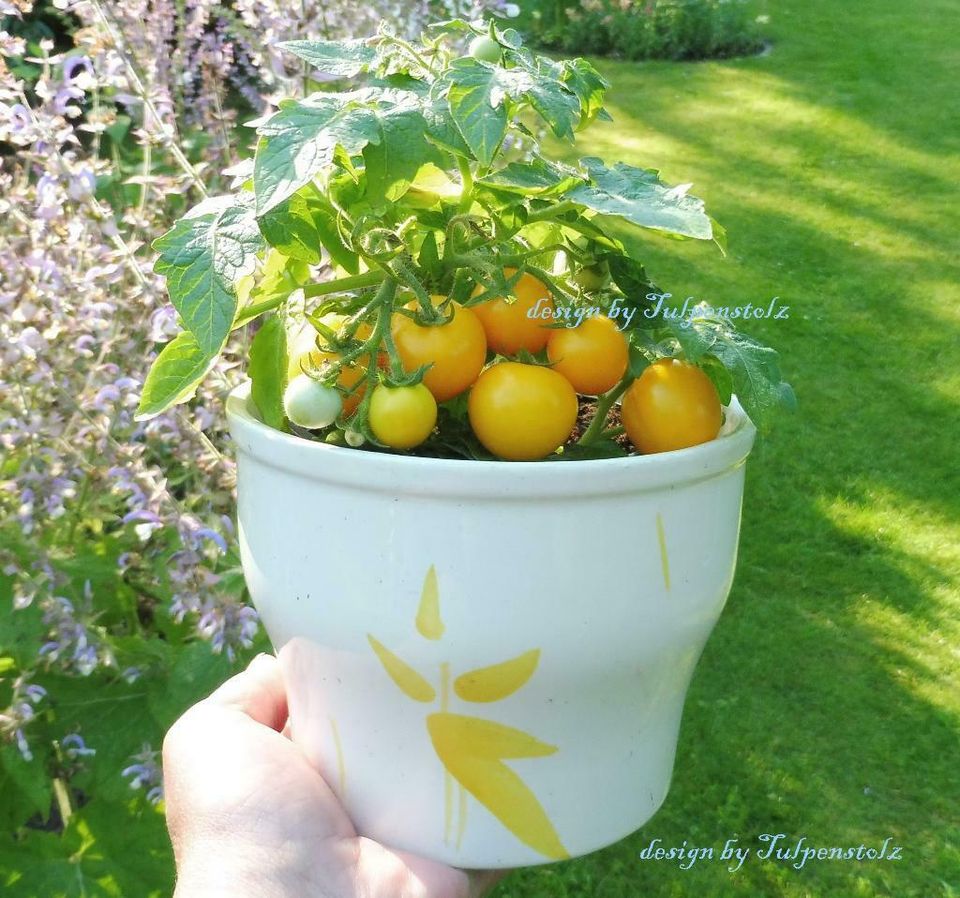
(827, 704)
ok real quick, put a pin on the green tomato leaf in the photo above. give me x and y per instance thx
(268, 371)
(475, 94)
(568, 95)
(639, 361)
(202, 257)
(174, 375)
(341, 58)
(278, 274)
(451, 26)
(442, 130)
(555, 103)
(720, 375)
(393, 162)
(754, 368)
(291, 229)
(429, 257)
(325, 221)
(509, 37)
(638, 196)
(303, 225)
(302, 139)
(589, 86)
(538, 178)
(631, 278)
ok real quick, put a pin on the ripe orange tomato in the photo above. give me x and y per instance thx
(592, 356)
(522, 412)
(672, 405)
(456, 351)
(402, 417)
(508, 326)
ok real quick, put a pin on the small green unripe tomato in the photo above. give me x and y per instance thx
(485, 48)
(592, 277)
(310, 404)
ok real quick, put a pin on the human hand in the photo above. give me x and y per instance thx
(250, 818)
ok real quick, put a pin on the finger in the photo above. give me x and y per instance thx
(258, 692)
(482, 881)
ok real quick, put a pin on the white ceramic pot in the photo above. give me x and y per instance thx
(487, 661)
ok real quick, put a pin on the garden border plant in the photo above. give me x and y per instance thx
(648, 29)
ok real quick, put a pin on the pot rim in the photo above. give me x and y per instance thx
(405, 474)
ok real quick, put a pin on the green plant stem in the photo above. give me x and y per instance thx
(466, 191)
(552, 211)
(340, 285)
(411, 50)
(552, 282)
(384, 302)
(604, 404)
(63, 800)
(406, 276)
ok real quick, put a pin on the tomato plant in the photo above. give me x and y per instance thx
(404, 241)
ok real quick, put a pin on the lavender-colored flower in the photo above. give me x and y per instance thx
(49, 197)
(83, 183)
(146, 773)
(77, 287)
(18, 120)
(71, 642)
(15, 718)
(229, 625)
(78, 71)
(74, 747)
(131, 674)
(163, 324)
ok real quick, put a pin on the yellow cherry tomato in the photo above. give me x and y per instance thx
(592, 356)
(456, 351)
(402, 417)
(508, 326)
(522, 412)
(672, 405)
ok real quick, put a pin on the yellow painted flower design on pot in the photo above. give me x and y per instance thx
(473, 750)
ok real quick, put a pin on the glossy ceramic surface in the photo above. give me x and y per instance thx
(487, 661)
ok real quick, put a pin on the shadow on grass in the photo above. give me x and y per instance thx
(823, 706)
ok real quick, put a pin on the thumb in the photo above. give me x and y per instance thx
(258, 692)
